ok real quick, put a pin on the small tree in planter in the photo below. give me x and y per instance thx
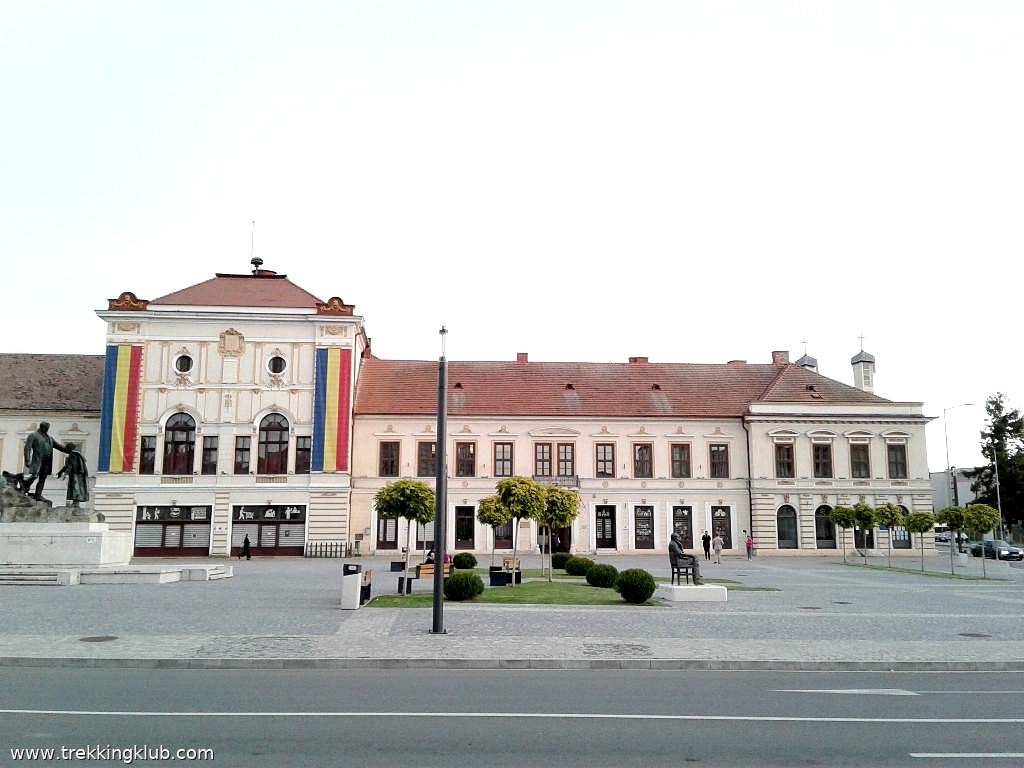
(524, 498)
(560, 509)
(891, 516)
(864, 516)
(843, 518)
(411, 499)
(979, 519)
(492, 512)
(954, 518)
(919, 523)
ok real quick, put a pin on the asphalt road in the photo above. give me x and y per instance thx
(518, 718)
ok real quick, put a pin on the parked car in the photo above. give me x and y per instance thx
(942, 536)
(997, 548)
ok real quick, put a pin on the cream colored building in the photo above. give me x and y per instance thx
(246, 406)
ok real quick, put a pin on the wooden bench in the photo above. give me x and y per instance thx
(680, 572)
(510, 564)
(427, 569)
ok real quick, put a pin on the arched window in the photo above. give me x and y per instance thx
(899, 535)
(786, 521)
(273, 447)
(179, 445)
(824, 528)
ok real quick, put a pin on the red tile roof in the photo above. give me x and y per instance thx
(409, 387)
(264, 289)
(51, 382)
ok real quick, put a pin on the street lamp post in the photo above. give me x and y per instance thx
(949, 473)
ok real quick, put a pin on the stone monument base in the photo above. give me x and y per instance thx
(64, 544)
(692, 593)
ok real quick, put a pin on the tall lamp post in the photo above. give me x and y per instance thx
(952, 479)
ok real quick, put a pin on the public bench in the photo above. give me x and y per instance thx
(423, 570)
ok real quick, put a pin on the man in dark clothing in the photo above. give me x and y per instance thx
(706, 541)
(677, 556)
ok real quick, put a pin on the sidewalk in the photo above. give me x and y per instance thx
(284, 613)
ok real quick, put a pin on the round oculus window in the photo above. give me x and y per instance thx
(276, 364)
(183, 364)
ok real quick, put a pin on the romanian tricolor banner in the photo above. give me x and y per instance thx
(332, 409)
(119, 420)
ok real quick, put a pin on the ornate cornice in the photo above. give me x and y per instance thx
(128, 302)
(334, 306)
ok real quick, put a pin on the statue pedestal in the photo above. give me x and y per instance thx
(64, 544)
(692, 593)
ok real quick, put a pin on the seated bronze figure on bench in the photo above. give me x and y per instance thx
(682, 562)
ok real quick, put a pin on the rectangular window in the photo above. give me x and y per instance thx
(605, 455)
(242, 451)
(860, 462)
(680, 460)
(303, 455)
(389, 458)
(542, 460)
(147, 455)
(897, 461)
(784, 460)
(643, 460)
(719, 460)
(503, 459)
(209, 455)
(465, 459)
(465, 528)
(566, 459)
(426, 459)
(822, 460)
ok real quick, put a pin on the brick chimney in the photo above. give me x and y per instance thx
(780, 357)
(635, 360)
(522, 357)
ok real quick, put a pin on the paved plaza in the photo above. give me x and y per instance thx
(819, 614)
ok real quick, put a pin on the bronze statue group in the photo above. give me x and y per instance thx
(39, 448)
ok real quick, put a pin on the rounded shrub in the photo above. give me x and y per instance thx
(578, 566)
(602, 575)
(464, 561)
(559, 559)
(463, 586)
(635, 585)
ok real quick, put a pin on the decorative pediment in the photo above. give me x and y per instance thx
(231, 344)
(334, 306)
(858, 434)
(554, 432)
(821, 435)
(783, 435)
(127, 302)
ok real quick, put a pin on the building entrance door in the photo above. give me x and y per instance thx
(604, 515)
(643, 527)
(721, 525)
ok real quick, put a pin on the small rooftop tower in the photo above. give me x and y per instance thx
(864, 371)
(256, 262)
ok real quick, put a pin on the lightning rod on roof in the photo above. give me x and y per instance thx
(443, 332)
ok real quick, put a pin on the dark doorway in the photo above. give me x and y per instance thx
(465, 526)
(786, 523)
(721, 525)
(858, 539)
(824, 528)
(604, 515)
(682, 523)
(643, 527)
(387, 534)
(503, 536)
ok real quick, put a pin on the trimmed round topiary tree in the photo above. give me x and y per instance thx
(578, 566)
(635, 585)
(602, 575)
(559, 559)
(463, 586)
(464, 561)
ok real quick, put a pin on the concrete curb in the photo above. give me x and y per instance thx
(704, 665)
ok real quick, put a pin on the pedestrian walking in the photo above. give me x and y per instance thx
(716, 544)
(246, 550)
(750, 545)
(706, 541)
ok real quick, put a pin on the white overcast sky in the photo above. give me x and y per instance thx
(694, 182)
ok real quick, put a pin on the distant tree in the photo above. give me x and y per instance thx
(412, 499)
(1002, 443)
(864, 516)
(891, 516)
(490, 511)
(844, 518)
(560, 508)
(979, 519)
(919, 523)
(524, 498)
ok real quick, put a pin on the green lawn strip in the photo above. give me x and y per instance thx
(919, 572)
(528, 593)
